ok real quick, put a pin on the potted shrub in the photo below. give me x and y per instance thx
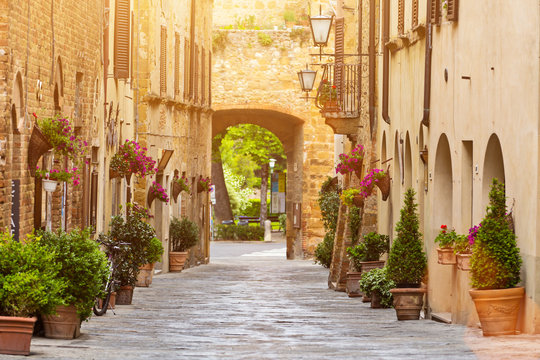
(83, 269)
(152, 255)
(139, 234)
(376, 284)
(366, 256)
(495, 269)
(407, 262)
(445, 251)
(184, 234)
(29, 285)
(327, 96)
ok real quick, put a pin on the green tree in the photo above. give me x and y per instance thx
(407, 261)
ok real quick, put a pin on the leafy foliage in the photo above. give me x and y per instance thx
(371, 249)
(354, 221)
(348, 195)
(154, 251)
(407, 261)
(29, 282)
(329, 205)
(445, 238)
(219, 40)
(238, 194)
(264, 39)
(83, 267)
(253, 208)
(184, 234)
(239, 232)
(283, 223)
(496, 262)
(376, 280)
(325, 249)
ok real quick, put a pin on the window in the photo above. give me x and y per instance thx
(121, 39)
(401, 17)
(163, 62)
(415, 13)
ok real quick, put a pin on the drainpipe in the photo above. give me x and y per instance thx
(427, 74)
(371, 51)
(386, 59)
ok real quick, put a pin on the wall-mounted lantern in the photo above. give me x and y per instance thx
(307, 79)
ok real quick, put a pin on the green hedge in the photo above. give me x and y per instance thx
(239, 232)
(253, 209)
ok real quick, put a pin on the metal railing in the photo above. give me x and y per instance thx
(339, 89)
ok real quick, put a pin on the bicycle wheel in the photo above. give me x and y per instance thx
(101, 305)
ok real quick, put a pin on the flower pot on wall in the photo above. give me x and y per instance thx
(446, 256)
(408, 302)
(176, 190)
(49, 185)
(63, 325)
(384, 185)
(498, 309)
(177, 260)
(150, 198)
(37, 146)
(358, 201)
(16, 334)
(463, 261)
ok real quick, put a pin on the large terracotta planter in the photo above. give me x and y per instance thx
(16, 334)
(498, 309)
(446, 256)
(375, 300)
(146, 272)
(463, 262)
(177, 260)
(353, 287)
(124, 295)
(408, 302)
(64, 325)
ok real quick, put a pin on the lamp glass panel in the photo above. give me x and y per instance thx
(308, 79)
(320, 27)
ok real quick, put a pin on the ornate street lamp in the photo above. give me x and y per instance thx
(320, 29)
(307, 79)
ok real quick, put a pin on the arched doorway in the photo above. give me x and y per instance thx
(408, 162)
(493, 167)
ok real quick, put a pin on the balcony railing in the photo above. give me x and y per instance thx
(338, 95)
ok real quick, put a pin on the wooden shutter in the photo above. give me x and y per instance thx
(203, 75)
(452, 11)
(121, 39)
(176, 64)
(340, 51)
(401, 17)
(435, 11)
(415, 13)
(163, 62)
(187, 80)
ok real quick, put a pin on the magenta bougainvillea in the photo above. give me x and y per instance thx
(350, 163)
(131, 158)
(159, 192)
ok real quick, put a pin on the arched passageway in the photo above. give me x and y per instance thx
(493, 167)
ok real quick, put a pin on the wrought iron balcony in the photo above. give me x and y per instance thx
(338, 95)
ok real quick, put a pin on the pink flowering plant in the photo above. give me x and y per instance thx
(69, 176)
(183, 182)
(159, 192)
(131, 158)
(205, 184)
(61, 135)
(350, 163)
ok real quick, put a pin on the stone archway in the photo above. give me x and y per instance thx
(493, 167)
(288, 128)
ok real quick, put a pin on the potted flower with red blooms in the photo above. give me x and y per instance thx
(180, 183)
(327, 96)
(156, 191)
(204, 184)
(353, 162)
(445, 251)
(131, 159)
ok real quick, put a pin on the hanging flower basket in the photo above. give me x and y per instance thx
(358, 201)
(37, 146)
(203, 185)
(156, 192)
(113, 174)
(150, 198)
(176, 190)
(49, 185)
(383, 183)
(353, 162)
(179, 184)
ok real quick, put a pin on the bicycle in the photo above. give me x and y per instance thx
(112, 249)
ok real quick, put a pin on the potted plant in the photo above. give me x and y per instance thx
(152, 255)
(495, 269)
(445, 251)
(463, 248)
(131, 159)
(132, 229)
(29, 285)
(353, 162)
(180, 184)
(376, 284)
(381, 179)
(327, 97)
(184, 234)
(353, 197)
(407, 262)
(156, 191)
(83, 269)
(204, 184)
(366, 254)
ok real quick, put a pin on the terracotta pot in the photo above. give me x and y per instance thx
(63, 325)
(463, 261)
(177, 260)
(446, 256)
(498, 309)
(408, 302)
(124, 295)
(112, 301)
(146, 272)
(353, 287)
(16, 334)
(370, 265)
(376, 300)
(331, 105)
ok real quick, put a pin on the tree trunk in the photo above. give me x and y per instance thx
(222, 209)
(264, 191)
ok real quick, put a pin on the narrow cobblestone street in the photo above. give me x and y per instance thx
(251, 303)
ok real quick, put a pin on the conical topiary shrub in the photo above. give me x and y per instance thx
(407, 261)
(495, 263)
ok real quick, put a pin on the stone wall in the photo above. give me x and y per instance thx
(250, 76)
